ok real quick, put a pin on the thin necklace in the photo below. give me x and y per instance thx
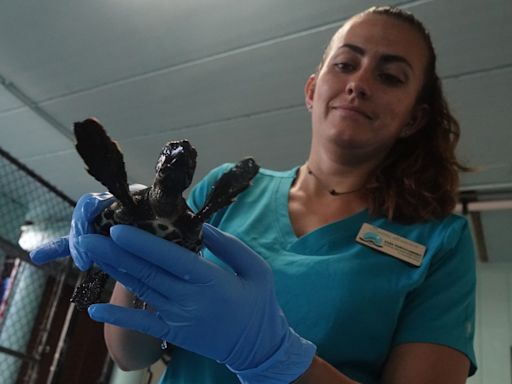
(332, 191)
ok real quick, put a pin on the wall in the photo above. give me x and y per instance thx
(494, 324)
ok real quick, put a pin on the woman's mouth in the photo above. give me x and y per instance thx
(351, 110)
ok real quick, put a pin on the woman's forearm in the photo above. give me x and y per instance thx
(129, 349)
(322, 372)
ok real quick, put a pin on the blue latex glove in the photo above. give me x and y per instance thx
(87, 208)
(233, 318)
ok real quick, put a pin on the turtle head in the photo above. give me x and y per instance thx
(175, 166)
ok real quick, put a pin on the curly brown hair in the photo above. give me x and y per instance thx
(419, 177)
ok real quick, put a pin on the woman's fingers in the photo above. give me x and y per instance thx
(52, 250)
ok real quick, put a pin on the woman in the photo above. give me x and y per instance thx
(372, 280)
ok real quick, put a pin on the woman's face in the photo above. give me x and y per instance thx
(364, 97)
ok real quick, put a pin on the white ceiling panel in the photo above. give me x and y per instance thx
(7, 101)
(222, 89)
(468, 35)
(66, 171)
(25, 135)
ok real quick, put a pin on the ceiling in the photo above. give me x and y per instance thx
(229, 76)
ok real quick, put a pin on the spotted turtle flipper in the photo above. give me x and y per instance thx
(228, 186)
(104, 159)
(90, 289)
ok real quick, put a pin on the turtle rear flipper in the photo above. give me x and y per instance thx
(90, 289)
(103, 158)
(228, 186)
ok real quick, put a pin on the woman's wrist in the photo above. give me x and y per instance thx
(322, 372)
(289, 361)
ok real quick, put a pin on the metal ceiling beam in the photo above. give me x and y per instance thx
(473, 202)
(481, 206)
(34, 107)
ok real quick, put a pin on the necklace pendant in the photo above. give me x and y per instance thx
(331, 191)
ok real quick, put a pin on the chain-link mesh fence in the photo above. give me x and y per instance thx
(31, 213)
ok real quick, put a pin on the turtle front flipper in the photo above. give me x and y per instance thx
(103, 158)
(228, 186)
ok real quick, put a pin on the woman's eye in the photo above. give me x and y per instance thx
(390, 79)
(344, 67)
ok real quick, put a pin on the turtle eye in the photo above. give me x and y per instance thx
(176, 151)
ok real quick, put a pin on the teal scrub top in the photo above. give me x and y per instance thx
(353, 302)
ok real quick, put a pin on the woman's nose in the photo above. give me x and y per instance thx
(358, 86)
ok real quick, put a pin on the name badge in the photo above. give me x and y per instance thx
(391, 244)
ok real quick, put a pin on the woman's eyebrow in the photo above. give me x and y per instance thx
(390, 58)
(357, 49)
(386, 58)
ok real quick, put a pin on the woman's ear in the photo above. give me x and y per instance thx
(309, 91)
(417, 121)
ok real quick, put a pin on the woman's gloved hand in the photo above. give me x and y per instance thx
(231, 317)
(87, 208)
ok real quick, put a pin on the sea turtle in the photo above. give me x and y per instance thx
(160, 208)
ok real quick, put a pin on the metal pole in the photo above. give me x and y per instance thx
(62, 340)
(44, 330)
